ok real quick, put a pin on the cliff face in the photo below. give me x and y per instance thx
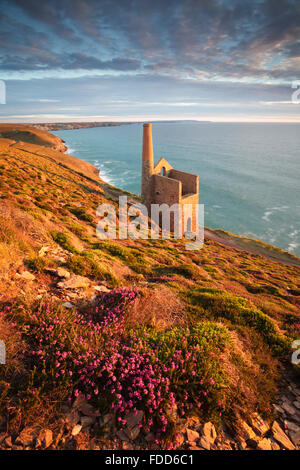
(234, 311)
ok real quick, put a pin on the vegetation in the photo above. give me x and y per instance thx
(85, 265)
(195, 324)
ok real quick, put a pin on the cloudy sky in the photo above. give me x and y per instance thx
(221, 60)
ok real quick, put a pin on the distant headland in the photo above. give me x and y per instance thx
(64, 126)
(59, 126)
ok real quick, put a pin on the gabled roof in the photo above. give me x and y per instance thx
(162, 162)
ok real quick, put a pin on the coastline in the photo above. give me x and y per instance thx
(224, 237)
(41, 137)
(65, 126)
(52, 257)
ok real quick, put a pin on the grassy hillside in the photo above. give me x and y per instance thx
(23, 133)
(170, 333)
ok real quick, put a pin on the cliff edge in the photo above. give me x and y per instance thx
(28, 134)
(134, 344)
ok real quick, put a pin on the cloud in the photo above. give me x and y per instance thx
(40, 100)
(276, 103)
(136, 58)
(258, 39)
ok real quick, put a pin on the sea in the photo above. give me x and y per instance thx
(249, 173)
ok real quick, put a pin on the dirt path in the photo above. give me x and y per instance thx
(234, 243)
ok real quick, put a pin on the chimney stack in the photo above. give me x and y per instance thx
(147, 162)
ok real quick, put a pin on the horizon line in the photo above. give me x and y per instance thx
(137, 121)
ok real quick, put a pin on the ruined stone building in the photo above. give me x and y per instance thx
(163, 184)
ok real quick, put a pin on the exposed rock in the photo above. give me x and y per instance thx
(76, 429)
(291, 426)
(258, 424)
(79, 402)
(252, 443)
(106, 418)
(101, 289)
(46, 438)
(192, 435)
(72, 418)
(209, 432)
(204, 443)
(87, 409)
(132, 433)
(195, 422)
(274, 445)
(281, 437)
(134, 419)
(132, 429)
(264, 444)
(278, 409)
(246, 431)
(72, 295)
(87, 421)
(27, 276)
(74, 282)
(43, 251)
(295, 436)
(27, 436)
(8, 441)
(297, 404)
(242, 444)
(288, 408)
(61, 272)
(122, 435)
(68, 305)
(60, 259)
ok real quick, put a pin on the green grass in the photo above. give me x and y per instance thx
(185, 270)
(38, 264)
(113, 249)
(206, 340)
(237, 310)
(81, 214)
(264, 289)
(62, 239)
(85, 265)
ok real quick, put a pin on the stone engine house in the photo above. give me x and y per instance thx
(162, 184)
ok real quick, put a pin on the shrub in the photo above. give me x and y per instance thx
(78, 229)
(113, 249)
(237, 310)
(264, 289)
(85, 265)
(186, 270)
(159, 307)
(62, 239)
(81, 214)
(36, 264)
(92, 354)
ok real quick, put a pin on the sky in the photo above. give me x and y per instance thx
(138, 60)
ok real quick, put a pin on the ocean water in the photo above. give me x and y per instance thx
(249, 174)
